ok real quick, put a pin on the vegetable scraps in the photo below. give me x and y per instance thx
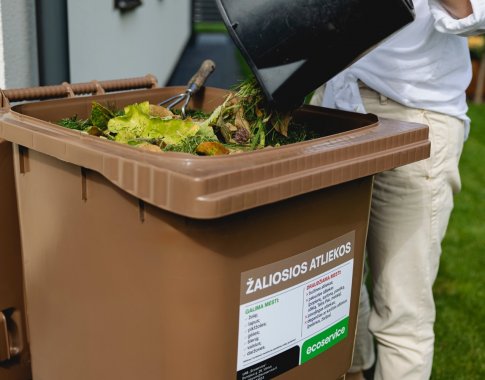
(243, 122)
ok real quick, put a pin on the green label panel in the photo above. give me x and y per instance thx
(325, 340)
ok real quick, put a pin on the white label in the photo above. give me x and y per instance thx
(291, 317)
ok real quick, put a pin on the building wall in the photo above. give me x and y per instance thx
(18, 46)
(107, 44)
(103, 43)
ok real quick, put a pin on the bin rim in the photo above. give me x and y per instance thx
(212, 187)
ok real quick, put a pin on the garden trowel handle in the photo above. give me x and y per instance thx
(198, 80)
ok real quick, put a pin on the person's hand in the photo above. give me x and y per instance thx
(458, 8)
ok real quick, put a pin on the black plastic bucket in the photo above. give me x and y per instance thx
(294, 46)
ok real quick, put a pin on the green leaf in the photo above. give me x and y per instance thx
(74, 123)
(100, 116)
(138, 123)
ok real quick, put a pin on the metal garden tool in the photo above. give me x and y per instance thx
(194, 85)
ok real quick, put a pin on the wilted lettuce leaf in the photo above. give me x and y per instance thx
(138, 123)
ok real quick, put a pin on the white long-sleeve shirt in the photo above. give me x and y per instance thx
(425, 65)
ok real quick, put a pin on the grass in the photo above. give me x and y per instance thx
(460, 286)
(209, 27)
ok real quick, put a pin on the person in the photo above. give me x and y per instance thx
(419, 74)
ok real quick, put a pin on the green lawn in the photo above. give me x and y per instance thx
(460, 287)
(210, 27)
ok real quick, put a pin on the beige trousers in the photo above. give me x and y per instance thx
(411, 207)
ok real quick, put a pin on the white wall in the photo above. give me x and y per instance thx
(18, 44)
(106, 44)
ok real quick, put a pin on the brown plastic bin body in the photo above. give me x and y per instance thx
(138, 265)
(14, 353)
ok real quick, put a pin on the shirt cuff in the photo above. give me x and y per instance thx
(470, 25)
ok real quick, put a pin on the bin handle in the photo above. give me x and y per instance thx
(11, 338)
(68, 90)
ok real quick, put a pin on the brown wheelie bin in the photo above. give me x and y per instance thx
(14, 355)
(142, 265)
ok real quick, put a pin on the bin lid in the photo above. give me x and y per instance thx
(356, 145)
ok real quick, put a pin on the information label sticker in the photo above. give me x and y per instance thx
(294, 310)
